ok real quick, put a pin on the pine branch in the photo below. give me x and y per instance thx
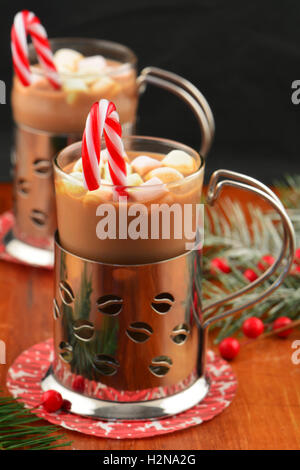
(229, 235)
(22, 429)
(289, 191)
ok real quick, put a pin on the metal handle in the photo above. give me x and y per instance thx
(288, 244)
(188, 93)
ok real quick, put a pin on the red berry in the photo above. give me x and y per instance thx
(253, 327)
(219, 264)
(66, 405)
(250, 275)
(78, 384)
(52, 401)
(297, 256)
(229, 348)
(281, 322)
(295, 270)
(266, 262)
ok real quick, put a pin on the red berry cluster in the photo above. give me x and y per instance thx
(219, 264)
(265, 262)
(53, 401)
(252, 328)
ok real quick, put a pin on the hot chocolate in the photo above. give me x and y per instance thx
(164, 186)
(41, 107)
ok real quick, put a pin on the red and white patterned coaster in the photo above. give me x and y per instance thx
(24, 378)
(7, 221)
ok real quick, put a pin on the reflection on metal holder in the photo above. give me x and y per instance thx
(29, 254)
(128, 340)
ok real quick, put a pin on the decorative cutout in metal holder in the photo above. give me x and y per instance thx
(160, 365)
(162, 303)
(110, 304)
(42, 167)
(139, 332)
(66, 293)
(84, 330)
(23, 187)
(38, 217)
(56, 310)
(180, 333)
(66, 352)
(105, 364)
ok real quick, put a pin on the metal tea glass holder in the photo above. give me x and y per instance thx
(130, 340)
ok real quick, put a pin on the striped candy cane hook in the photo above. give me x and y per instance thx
(26, 22)
(103, 120)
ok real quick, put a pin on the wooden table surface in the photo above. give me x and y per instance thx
(265, 414)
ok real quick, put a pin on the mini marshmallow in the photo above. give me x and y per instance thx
(72, 87)
(104, 193)
(74, 84)
(134, 180)
(74, 186)
(144, 164)
(166, 175)
(91, 65)
(77, 175)
(152, 189)
(128, 169)
(40, 82)
(77, 165)
(105, 87)
(180, 161)
(66, 60)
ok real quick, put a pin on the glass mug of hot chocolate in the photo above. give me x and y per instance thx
(129, 327)
(47, 119)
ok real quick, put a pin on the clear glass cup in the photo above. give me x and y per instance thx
(46, 120)
(78, 209)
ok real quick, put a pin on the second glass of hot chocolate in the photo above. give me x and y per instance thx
(48, 119)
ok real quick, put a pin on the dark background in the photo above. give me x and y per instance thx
(242, 55)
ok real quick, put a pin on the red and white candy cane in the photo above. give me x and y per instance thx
(25, 22)
(103, 120)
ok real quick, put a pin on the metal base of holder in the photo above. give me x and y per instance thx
(130, 411)
(29, 254)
